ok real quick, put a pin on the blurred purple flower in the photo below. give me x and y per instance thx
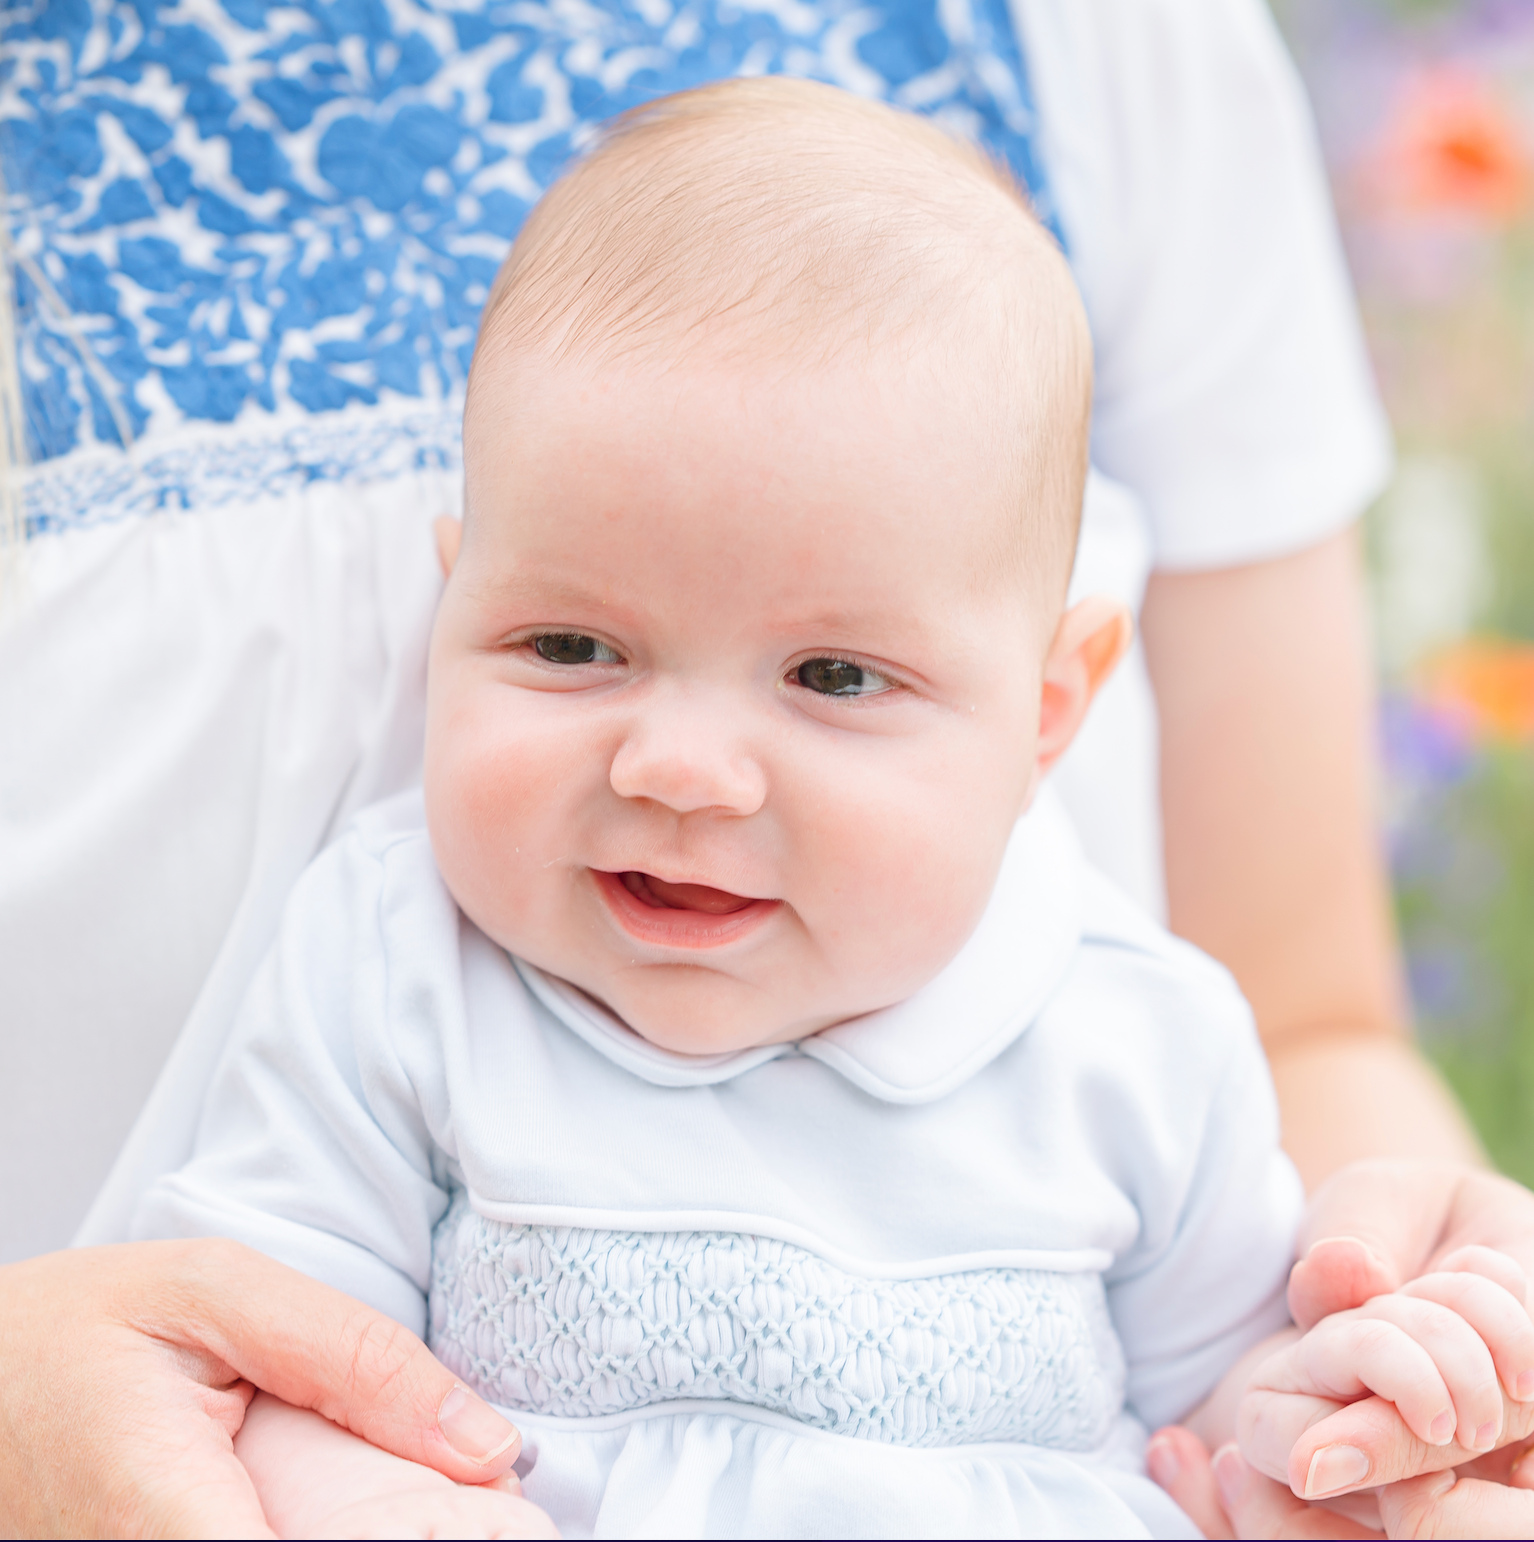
(1439, 976)
(1426, 744)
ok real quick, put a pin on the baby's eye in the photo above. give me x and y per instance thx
(573, 648)
(838, 677)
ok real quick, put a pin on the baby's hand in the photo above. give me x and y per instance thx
(1451, 1354)
(429, 1505)
(315, 1479)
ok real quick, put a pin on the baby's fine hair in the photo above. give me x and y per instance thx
(791, 224)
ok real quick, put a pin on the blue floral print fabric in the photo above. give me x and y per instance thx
(226, 208)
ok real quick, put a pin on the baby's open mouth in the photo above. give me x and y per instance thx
(680, 915)
(656, 892)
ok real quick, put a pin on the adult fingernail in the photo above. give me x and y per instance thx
(1523, 1388)
(1441, 1431)
(1358, 1242)
(1161, 1463)
(1333, 1468)
(1229, 1475)
(472, 1427)
(1486, 1436)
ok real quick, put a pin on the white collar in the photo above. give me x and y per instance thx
(922, 1048)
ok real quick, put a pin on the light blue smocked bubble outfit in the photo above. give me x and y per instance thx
(933, 1271)
(261, 215)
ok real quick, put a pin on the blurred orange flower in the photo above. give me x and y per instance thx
(1489, 683)
(1452, 144)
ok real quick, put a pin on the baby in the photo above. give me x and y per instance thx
(729, 1063)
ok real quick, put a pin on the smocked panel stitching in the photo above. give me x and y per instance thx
(581, 1323)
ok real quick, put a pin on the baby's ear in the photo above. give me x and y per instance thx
(449, 534)
(1092, 637)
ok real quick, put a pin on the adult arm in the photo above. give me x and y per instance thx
(125, 1373)
(1234, 399)
(1264, 687)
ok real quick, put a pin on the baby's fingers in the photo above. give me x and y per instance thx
(1494, 1264)
(1495, 1313)
(1459, 1353)
(1346, 1357)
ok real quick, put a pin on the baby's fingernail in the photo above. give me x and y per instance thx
(1229, 1475)
(1441, 1431)
(1161, 1463)
(1486, 1436)
(1333, 1468)
(1523, 1388)
(472, 1427)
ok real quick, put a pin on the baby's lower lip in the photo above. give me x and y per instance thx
(679, 915)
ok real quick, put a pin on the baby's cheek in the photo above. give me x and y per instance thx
(901, 885)
(485, 815)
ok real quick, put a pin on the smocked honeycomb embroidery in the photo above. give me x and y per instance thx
(583, 1323)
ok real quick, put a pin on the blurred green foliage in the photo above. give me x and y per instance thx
(1473, 915)
(1426, 111)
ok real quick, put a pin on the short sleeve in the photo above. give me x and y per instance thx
(1234, 395)
(1208, 1279)
(313, 1146)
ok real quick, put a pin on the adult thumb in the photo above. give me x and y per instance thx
(1370, 1226)
(1337, 1274)
(316, 1348)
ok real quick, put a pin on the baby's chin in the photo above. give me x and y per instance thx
(687, 1009)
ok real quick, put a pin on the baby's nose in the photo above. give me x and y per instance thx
(687, 755)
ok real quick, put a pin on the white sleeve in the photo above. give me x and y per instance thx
(1207, 1278)
(1233, 392)
(314, 1145)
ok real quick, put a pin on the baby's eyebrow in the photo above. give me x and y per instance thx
(875, 630)
(504, 586)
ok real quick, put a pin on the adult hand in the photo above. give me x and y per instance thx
(1490, 1497)
(126, 1371)
(1406, 1219)
(1371, 1227)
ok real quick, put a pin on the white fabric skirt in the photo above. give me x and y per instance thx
(712, 1470)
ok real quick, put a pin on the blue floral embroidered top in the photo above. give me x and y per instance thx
(224, 208)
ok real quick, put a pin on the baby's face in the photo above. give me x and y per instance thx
(734, 694)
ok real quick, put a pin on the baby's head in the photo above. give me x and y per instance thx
(753, 652)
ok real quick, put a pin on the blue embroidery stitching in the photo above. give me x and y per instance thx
(223, 209)
(578, 1323)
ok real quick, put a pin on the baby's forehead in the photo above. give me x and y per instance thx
(848, 492)
(780, 229)
(770, 212)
